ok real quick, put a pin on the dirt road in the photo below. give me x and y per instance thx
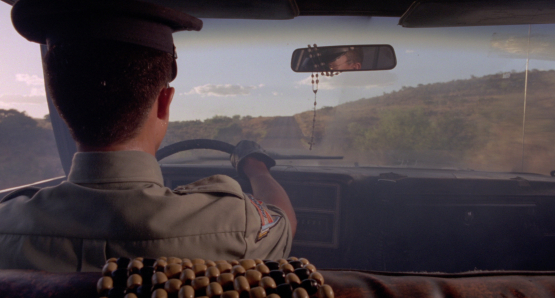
(283, 133)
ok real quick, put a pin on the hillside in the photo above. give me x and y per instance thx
(27, 150)
(474, 123)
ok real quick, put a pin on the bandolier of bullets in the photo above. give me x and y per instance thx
(184, 278)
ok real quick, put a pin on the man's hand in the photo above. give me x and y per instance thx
(253, 163)
(246, 149)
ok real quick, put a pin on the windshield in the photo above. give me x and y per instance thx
(475, 98)
(465, 98)
(28, 150)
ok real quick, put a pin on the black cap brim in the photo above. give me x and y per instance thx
(130, 21)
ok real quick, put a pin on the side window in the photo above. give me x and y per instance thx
(27, 147)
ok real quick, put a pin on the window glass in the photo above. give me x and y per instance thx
(455, 100)
(27, 147)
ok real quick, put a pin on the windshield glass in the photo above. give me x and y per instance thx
(28, 150)
(466, 98)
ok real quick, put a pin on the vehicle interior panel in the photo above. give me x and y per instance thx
(365, 219)
(431, 178)
(349, 284)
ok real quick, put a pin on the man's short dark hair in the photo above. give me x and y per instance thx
(354, 56)
(105, 90)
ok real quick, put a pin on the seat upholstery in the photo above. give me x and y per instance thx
(24, 283)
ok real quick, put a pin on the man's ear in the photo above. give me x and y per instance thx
(164, 100)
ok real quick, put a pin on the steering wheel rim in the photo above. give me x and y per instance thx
(194, 144)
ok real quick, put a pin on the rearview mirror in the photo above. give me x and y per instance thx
(343, 58)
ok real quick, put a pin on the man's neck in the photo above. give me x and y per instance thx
(128, 146)
(151, 133)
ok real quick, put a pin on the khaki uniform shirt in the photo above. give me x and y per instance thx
(115, 204)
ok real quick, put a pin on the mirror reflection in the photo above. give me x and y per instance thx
(343, 58)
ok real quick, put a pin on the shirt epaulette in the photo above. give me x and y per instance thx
(26, 191)
(213, 184)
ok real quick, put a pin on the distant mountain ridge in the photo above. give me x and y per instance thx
(476, 123)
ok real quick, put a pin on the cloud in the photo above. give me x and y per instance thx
(35, 81)
(30, 80)
(22, 99)
(37, 92)
(222, 90)
(35, 106)
(34, 102)
(521, 46)
(367, 80)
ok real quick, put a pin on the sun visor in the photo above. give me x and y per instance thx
(226, 9)
(435, 13)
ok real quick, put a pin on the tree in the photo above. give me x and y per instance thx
(28, 152)
(410, 132)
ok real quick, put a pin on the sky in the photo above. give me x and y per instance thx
(242, 67)
(21, 78)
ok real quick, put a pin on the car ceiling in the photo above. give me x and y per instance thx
(305, 7)
(420, 13)
(390, 8)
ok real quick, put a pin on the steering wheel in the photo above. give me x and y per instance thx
(194, 144)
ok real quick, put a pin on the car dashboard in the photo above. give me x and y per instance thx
(403, 219)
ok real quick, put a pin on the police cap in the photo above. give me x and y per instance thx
(136, 22)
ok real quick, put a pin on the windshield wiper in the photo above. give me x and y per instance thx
(277, 156)
(302, 156)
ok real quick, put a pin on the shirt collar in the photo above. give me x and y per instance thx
(114, 167)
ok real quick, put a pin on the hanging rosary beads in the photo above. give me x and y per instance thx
(315, 90)
(318, 64)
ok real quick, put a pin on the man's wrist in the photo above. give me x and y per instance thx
(253, 167)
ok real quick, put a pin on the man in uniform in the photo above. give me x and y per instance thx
(348, 60)
(107, 67)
